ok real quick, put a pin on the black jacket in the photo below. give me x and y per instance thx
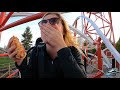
(67, 64)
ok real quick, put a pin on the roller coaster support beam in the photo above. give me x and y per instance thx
(100, 63)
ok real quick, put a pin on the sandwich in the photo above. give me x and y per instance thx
(21, 52)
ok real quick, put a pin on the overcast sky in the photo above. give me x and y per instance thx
(69, 17)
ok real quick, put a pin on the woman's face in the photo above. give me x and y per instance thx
(53, 19)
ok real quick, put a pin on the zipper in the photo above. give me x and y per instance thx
(52, 62)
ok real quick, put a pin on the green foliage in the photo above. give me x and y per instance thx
(92, 51)
(118, 45)
(103, 46)
(27, 36)
(5, 60)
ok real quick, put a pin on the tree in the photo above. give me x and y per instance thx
(92, 51)
(27, 36)
(118, 45)
(103, 46)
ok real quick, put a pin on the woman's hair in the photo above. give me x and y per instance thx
(67, 35)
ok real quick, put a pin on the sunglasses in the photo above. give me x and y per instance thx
(52, 21)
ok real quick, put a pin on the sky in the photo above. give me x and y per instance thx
(69, 17)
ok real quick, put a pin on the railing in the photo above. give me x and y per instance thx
(13, 74)
(8, 70)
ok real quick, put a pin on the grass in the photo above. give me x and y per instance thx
(4, 61)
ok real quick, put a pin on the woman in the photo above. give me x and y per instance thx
(64, 56)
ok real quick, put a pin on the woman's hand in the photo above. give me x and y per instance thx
(12, 52)
(52, 36)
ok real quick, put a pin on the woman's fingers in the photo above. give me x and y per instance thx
(9, 43)
(13, 54)
(44, 37)
(43, 30)
(46, 30)
(46, 33)
(11, 49)
(57, 27)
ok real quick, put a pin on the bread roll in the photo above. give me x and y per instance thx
(21, 53)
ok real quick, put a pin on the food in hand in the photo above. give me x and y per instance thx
(21, 53)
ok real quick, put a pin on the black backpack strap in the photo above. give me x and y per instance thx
(37, 58)
(28, 54)
(29, 50)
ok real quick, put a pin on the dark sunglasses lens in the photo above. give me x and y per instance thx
(54, 21)
(43, 21)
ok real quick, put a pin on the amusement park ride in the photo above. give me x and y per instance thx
(93, 32)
